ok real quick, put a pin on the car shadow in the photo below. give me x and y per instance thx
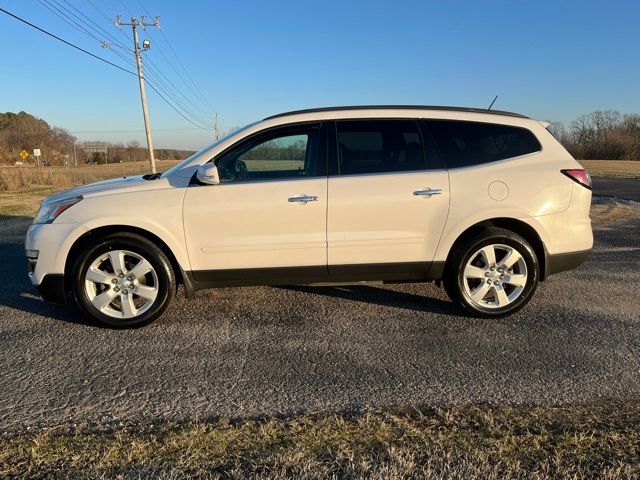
(18, 293)
(384, 297)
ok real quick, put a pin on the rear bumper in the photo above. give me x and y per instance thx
(52, 289)
(561, 262)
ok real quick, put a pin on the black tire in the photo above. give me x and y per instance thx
(166, 283)
(454, 272)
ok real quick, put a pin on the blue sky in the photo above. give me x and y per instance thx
(252, 58)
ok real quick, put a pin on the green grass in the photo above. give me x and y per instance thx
(597, 441)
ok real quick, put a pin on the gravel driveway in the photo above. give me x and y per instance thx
(253, 351)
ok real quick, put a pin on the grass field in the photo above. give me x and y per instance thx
(612, 168)
(589, 441)
(17, 206)
(19, 177)
(13, 178)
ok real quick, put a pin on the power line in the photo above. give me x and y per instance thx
(186, 71)
(76, 22)
(108, 18)
(127, 8)
(100, 29)
(155, 72)
(135, 131)
(152, 78)
(26, 22)
(155, 85)
(159, 71)
(175, 70)
(171, 105)
(67, 19)
(66, 42)
(99, 10)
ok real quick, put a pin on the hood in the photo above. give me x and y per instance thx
(108, 186)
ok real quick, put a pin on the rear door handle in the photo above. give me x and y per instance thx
(303, 199)
(428, 192)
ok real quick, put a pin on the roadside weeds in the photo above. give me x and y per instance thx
(485, 441)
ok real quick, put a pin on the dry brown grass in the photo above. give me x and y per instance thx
(17, 208)
(14, 178)
(612, 168)
(608, 211)
(594, 441)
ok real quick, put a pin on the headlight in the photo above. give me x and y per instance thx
(50, 211)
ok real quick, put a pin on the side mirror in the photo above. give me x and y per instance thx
(208, 173)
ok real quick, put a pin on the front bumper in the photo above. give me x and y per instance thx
(52, 242)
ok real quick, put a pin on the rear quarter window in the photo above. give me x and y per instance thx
(463, 144)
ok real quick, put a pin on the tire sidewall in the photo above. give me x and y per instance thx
(146, 250)
(533, 273)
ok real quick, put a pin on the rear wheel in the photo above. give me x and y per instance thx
(124, 280)
(492, 274)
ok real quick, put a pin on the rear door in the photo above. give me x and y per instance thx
(388, 197)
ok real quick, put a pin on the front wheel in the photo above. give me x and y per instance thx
(492, 274)
(123, 281)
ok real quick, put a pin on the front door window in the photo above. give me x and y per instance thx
(285, 156)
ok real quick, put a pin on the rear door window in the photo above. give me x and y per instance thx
(462, 144)
(379, 146)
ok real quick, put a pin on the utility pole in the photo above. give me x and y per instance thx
(216, 131)
(143, 96)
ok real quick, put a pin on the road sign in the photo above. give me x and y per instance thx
(24, 154)
(95, 147)
(36, 152)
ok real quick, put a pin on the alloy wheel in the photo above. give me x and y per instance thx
(494, 276)
(121, 284)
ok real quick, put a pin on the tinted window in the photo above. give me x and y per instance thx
(375, 146)
(292, 154)
(470, 143)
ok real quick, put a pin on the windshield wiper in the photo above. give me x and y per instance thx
(152, 176)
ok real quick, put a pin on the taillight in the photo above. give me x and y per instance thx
(579, 175)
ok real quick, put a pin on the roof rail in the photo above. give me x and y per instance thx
(398, 107)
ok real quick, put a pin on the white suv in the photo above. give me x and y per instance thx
(486, 202)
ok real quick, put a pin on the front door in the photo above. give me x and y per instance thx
(268, 214)
(388, 198)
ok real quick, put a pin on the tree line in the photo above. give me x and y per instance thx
(601, 135)
(274, 150)
(22, 131)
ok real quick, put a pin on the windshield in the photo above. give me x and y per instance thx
(189, 159)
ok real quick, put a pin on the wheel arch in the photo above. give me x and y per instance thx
(91, 235)
(519, 227)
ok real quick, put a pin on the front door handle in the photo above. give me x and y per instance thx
(303, 199)
(428, 192)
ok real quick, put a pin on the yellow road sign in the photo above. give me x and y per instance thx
(24, 154)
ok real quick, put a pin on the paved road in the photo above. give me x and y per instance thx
(628, 188)
(248, 351)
